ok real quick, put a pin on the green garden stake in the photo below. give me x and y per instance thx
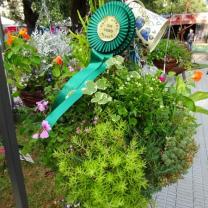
(110, 31)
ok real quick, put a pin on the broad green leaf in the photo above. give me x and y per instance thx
(189, 103)
(201, 110)
(197, 96)
(56, 72)
(36, 60)
(180, 86)
(90, 88)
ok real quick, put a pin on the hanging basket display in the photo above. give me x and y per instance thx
(171, 64)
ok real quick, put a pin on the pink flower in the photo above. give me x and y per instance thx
(44, 134)
(162, 78)
(36, 136)
(71, 69)
(46, 128)
(42, 105)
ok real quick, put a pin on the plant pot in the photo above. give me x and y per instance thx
(171, 65)
(30, 98)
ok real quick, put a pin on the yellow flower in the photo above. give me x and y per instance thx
(23, 31)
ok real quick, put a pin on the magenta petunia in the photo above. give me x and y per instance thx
(162, 78)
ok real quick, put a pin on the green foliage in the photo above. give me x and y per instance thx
(20, 60)
(175, 49)
(80, 48)
(152, 111)
(97, 169)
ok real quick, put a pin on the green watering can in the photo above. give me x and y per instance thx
(111, 30)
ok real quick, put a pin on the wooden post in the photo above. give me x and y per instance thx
(7, 131)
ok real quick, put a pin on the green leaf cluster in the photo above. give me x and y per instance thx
(20, 60)
(99, 97)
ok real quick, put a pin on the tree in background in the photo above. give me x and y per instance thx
(175, 6)
(58, 10)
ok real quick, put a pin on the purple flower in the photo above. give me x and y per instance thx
(71, 69)
(42, 106)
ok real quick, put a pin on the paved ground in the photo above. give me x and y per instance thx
(201, 58)
(192, 191)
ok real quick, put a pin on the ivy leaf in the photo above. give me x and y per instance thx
(102, 84)
(98, 97)
(56, 72)
(90, 88)
(101, 98)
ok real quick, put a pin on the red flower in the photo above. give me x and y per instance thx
(58, 60)
(26, 36)
(197, 76)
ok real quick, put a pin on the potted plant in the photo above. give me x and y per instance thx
(178, 57)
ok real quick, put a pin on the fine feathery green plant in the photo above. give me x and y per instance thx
(98, 169)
